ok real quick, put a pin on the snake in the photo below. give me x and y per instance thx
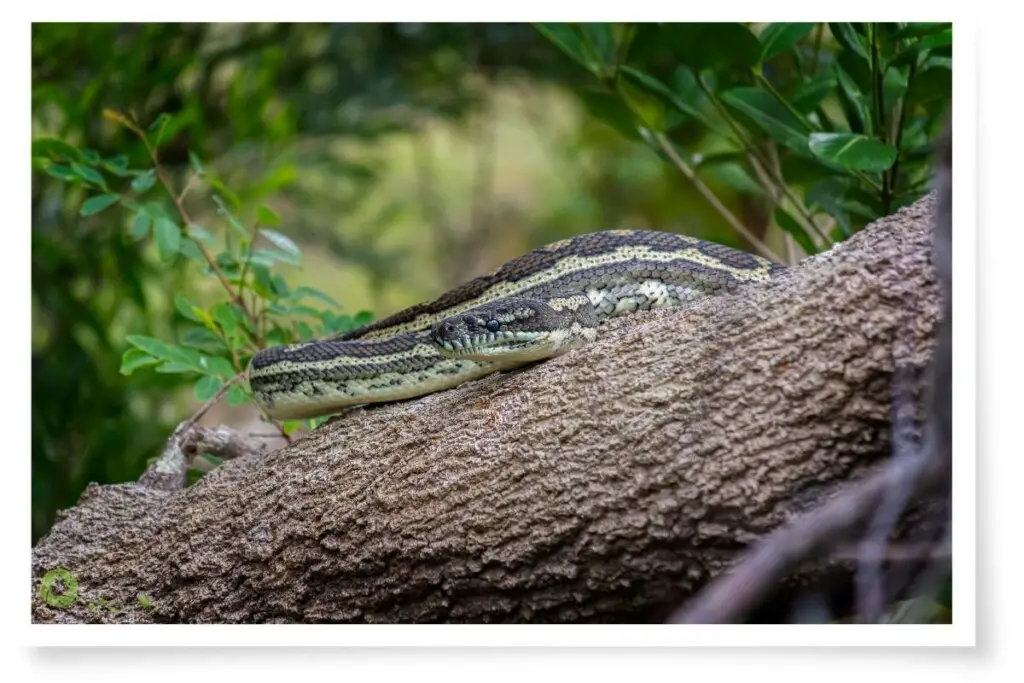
(546, 302)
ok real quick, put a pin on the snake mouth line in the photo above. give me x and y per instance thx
(491, 347)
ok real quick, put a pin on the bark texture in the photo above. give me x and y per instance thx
(605, 485)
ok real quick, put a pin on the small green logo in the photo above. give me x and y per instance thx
(59, 588)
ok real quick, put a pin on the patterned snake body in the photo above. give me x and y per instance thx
(536, 306)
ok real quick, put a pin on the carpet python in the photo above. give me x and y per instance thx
(536, 306)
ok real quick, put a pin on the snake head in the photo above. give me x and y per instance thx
(515, 329)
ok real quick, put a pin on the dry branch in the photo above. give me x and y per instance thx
(606, 485)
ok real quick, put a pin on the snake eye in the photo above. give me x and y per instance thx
(493, 325)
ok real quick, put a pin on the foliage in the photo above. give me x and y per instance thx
(830, 125)
(258, 309)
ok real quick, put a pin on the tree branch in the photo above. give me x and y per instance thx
(609, 484)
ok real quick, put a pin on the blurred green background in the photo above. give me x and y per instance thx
(406, 158)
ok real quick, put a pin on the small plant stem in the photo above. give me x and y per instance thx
(755, 154)
(180, 206)
(210, 402)
(819, 30)
(783, 101)
(878, 95)
(666, 146)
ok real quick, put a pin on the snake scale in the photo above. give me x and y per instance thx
(536, 306)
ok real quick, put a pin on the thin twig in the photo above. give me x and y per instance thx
(188, 186)
(705, 191)
(210, 402)
(180, 206)
(754, 153)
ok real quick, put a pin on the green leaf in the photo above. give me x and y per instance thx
(89, 175)
(98, 203)
(225, 317)
(732, 174)
(263, 283)
(363, 318)
(709, 45)
(117, 165)
(199, 232)
(160, 127)
(312, 292)
(171, 367)
(168, 238)
(294, 309)
(206, 387)
(237, 396)
(853, 151)
(196, 164)
(828, 195)
(54, 149)
(289, 427)
(894, 86)
(931, 86)
(278, 336)
(317, 421)
(686, 103)
(266, 216)
(772, 117)
(598, 44)
(568, 40)
(140, 226)
(610, 109)
(202, 338)
(648, 110)
(282, 242)
(216, 365)
(848, 37)
(185, 307)
(269, 257)
(190, 251)
(853, 102)
(791, 226)
(232, 198)
(810, 94)
(144, 182)
(224, 211)
(779, 37)
(921, 29)
(133, 359)
(61, 172)
(180, 359)
(935, 40)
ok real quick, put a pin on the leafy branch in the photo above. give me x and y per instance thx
(260, 309)
(840, 140)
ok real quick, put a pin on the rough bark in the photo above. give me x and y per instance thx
(605, 485)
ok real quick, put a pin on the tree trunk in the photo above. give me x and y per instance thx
(604, 485)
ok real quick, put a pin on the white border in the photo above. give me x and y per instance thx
(17, 496)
